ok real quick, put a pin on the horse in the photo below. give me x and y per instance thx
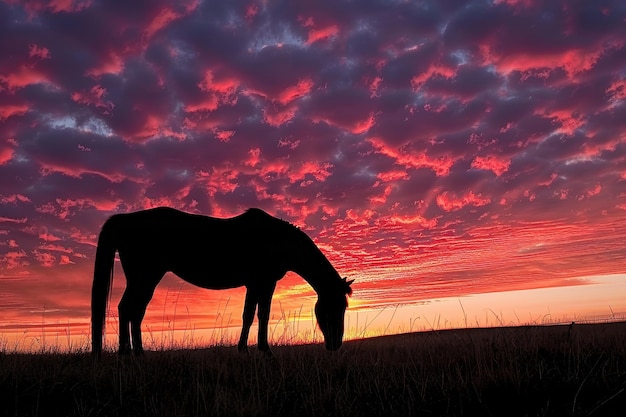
(253, 249)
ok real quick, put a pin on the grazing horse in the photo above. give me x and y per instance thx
(253, 249)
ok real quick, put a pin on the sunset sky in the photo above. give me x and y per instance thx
(434, 150)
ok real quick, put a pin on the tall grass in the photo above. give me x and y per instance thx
(567, 370)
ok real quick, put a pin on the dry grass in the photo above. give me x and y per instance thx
(575, 370)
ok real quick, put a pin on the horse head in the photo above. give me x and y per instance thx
(330, 310)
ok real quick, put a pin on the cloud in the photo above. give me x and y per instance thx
(449, 202)
(498, 166)
(425, 146)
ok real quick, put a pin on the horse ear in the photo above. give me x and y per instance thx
(348, 283)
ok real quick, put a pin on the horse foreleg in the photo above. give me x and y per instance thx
(265, 303)
(135, 327)
(248, 317)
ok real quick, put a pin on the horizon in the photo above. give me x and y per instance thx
(179, 328)
(433, 150)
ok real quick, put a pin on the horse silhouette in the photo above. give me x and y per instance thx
(253, 249)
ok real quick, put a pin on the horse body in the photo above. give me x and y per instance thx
(253, 249)
(208, 252)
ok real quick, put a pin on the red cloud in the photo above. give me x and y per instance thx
(225, 87)
(373, 86)
(278, 115)
(315, 33)
(322, 33)
(14, 199)
(219, 89)
(573, 61)
(68, 207)
(208, 103)
(6, 154)
(94, 96)
(435, 70)
(357, 127)
(164, 17)
(450, 202)
(319, 170)
(617, 90)
(491, 163)
(220, 180)
(594, 191)
(55, 6)
(12, 110)
(287, 95)
(12, 220)
(34, 51)
(24, 76)
(48, 237)
(112, 64)
(302, 88)
(569, 121)
(254, 156)
(363, 125)
(283, 168)
(441, 165)
(65, 260)
(46, 168)
(251, 11)
(382, 198)
(224, 135)
(414, 220)
(45, 259)
(83, 238)
(392, 176)
(14, 259)
(55, 248)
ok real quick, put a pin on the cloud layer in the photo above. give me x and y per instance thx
(430, 148)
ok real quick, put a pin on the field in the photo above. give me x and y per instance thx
(577, 370)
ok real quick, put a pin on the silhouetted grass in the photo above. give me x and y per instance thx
(575, 370)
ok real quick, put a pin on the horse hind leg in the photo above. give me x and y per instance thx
(132, 309)
(124, 312)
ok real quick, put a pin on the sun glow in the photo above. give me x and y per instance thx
(215, 317)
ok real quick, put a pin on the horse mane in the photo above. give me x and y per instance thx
(264, 213)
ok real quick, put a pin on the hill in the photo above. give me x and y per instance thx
(570, 370)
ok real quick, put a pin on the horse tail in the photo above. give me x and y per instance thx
(102, 282)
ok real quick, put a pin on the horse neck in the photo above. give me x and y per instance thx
(316, 269)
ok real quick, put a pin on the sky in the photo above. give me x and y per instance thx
(434, 150)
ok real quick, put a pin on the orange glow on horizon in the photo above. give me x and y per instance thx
(189, 318)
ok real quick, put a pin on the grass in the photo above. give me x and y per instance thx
(577, 370)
